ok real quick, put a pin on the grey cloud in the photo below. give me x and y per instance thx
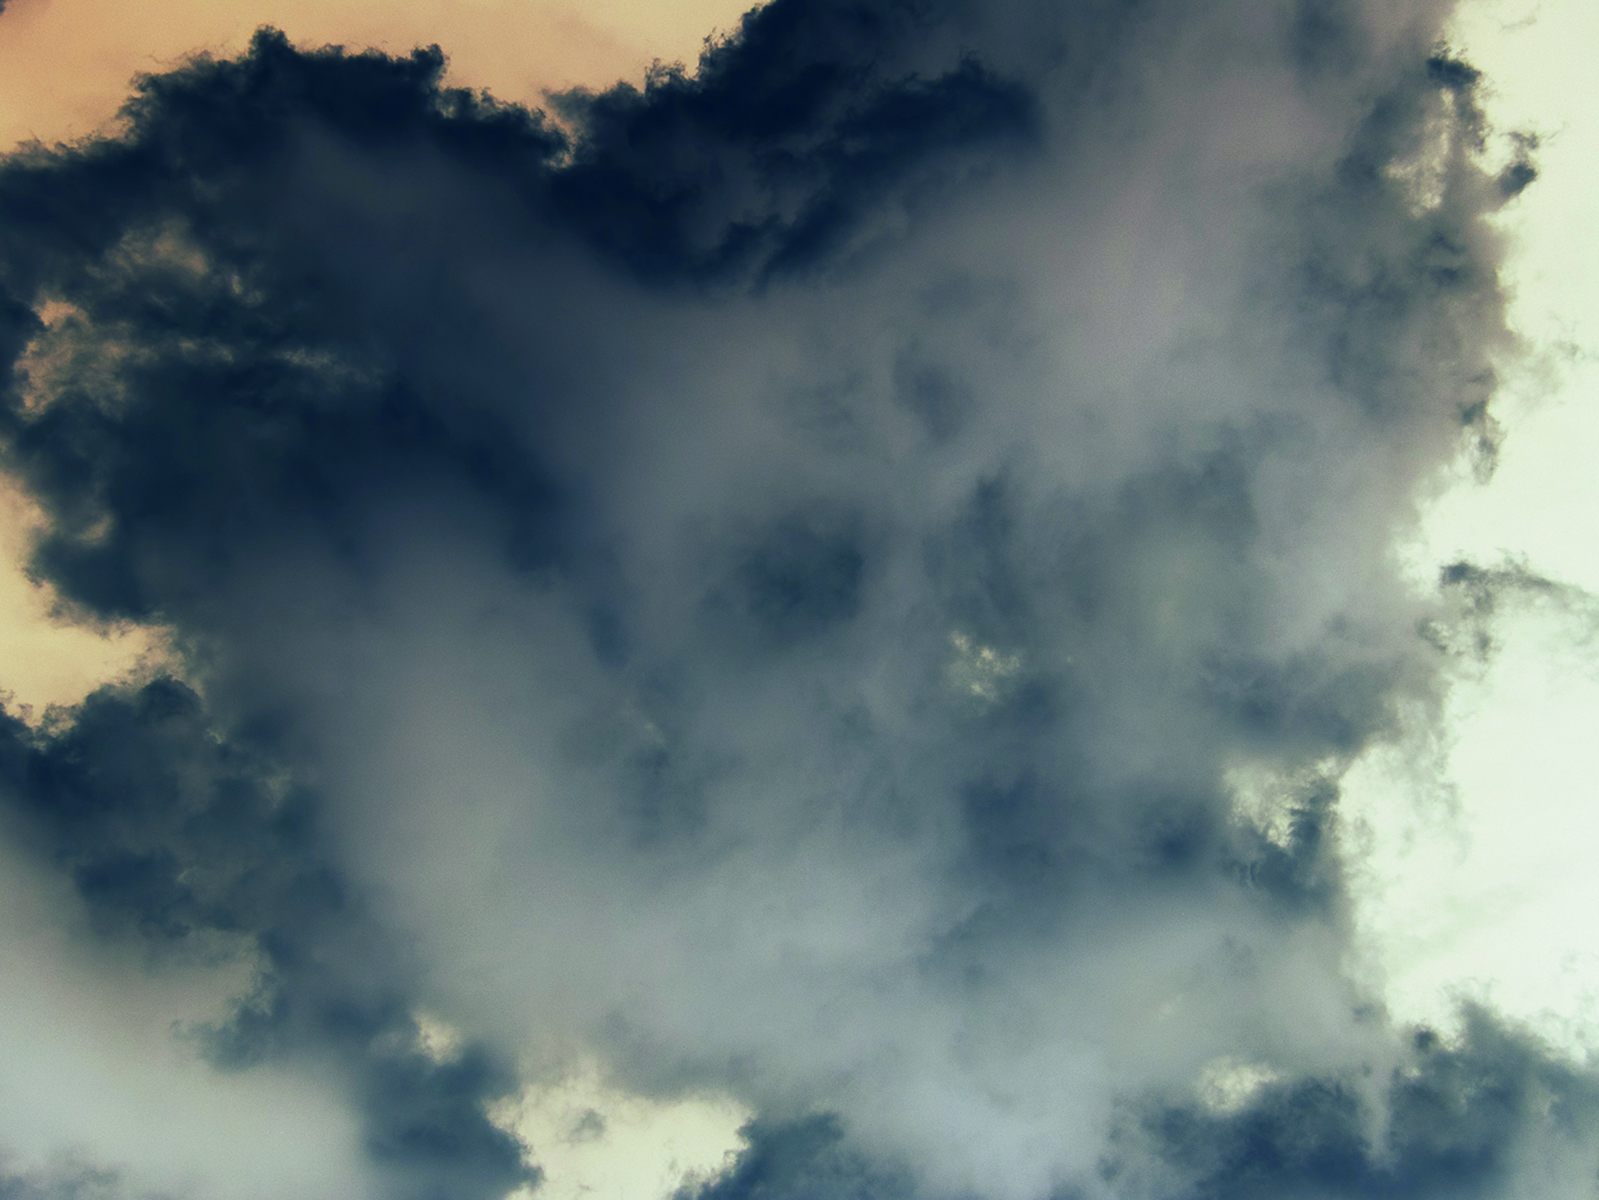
(67, 1185)
(1476, 1118)
(771, 586)
(204, 846)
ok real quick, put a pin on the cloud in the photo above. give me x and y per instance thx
(205, 850)
(1480, 1118)
(846, 581)
(1466, 1120)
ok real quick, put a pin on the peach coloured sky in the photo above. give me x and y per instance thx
(65, 64)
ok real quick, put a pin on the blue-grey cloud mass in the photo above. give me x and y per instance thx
(769, 581)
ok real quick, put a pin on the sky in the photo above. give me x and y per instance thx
(870, 600)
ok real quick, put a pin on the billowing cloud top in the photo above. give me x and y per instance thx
(845, 580)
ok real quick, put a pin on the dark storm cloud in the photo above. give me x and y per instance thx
(783, 141)
(1462, 1120)
(774, 581)
(801, 1158)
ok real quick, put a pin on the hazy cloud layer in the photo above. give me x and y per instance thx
(846, 579)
